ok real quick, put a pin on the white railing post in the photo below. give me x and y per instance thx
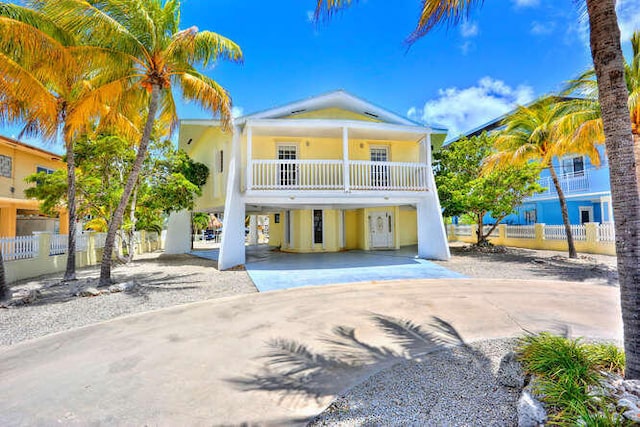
(345, 159)
(249, 158)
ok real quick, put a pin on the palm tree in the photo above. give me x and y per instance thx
(45, 82)
(624, 162)
(541, 133)
(4, 289)
(159, 56)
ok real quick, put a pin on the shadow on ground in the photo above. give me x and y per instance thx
(292, 370)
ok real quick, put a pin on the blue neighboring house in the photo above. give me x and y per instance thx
(586, 189)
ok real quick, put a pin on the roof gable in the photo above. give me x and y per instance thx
(338, 100)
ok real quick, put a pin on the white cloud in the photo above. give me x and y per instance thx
(469, 29)
(466, 47)
(628, 18)
(461, 110)
(311, 16)
(542, 28)
(236, 111)
(526, 3)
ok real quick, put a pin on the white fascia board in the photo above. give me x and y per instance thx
(336, 124)
(320, 198)
(200, 122)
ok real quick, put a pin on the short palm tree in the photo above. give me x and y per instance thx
(156, 57)
(534, 134)
(46, 84)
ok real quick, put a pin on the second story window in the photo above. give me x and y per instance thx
(573, 165)
(43, 169)
(6, 166)
(288, 173)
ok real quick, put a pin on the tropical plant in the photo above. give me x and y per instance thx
(465, 188)
(200, 221)
(541, 133)
(48, 83)
(624, 161)
(568, 372)
(156, 57)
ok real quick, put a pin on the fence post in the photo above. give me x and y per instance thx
(452, 232)
(591, 231)
(539, 235)
(502, 234)
(91, 248)
(44, 244)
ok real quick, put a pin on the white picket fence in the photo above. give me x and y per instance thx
(521, 231)
(558, 232)
(463, 230)
(59, 244)
(606, 232)
(21, 247)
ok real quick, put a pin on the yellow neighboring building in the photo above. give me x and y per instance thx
(20, 216)
(333, 172)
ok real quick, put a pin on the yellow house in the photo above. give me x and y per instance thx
(333, 172)
(19, 215)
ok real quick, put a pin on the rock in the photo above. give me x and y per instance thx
(531, 413)
(26, 297)
(629, 404)
(632, 386)
(633, 415)
(89, 292)
(123, 287)
(510, 373)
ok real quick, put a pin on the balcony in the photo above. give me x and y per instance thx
(330, 175)
(586, 181)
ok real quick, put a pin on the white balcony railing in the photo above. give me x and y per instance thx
(330, 175)
(570, 183)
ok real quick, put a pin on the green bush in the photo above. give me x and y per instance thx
(567, 370)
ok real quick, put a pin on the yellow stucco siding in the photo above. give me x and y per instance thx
(205, 147)
(333, 113)
(408, 227)
(24, 162)
(351, 229)
(309, 148)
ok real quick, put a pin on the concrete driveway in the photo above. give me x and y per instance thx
(271, 358)
(272, 270)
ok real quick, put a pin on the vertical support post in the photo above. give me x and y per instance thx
(249, 158)
(253, 229)
(345, 157)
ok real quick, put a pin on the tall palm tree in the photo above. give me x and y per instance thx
(4, 289)
(160, 57)
(544, 132)
(46, 78)
(624, 163)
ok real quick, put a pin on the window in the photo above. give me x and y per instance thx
(573, 165)
(45, 170)
(221, 161)
(317, 226)
(530, 216)
(6, 166)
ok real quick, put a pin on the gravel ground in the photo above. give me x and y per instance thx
(455, 387)
(527, 264)
(163, 281)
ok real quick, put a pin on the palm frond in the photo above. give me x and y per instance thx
(436, 12)
(204, 47)
(207, 93)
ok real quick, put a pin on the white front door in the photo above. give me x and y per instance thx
(381, 230)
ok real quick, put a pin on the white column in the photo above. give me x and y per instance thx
(427, 143)
(345, 157)
(249, 158)
(232, 251)
(253, 230)
(178, 240)
(432, 238)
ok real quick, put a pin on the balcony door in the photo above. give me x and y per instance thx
(379, 172)
(287, 168)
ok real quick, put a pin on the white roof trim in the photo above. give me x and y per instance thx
(200, 122)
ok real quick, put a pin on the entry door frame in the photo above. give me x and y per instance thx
(588, 209)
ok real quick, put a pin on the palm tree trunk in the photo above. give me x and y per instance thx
(565, 212)
(624, 168)
(4, 289)
(116, 219)
(70, 272)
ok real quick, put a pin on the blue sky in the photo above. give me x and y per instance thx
(505, 53)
